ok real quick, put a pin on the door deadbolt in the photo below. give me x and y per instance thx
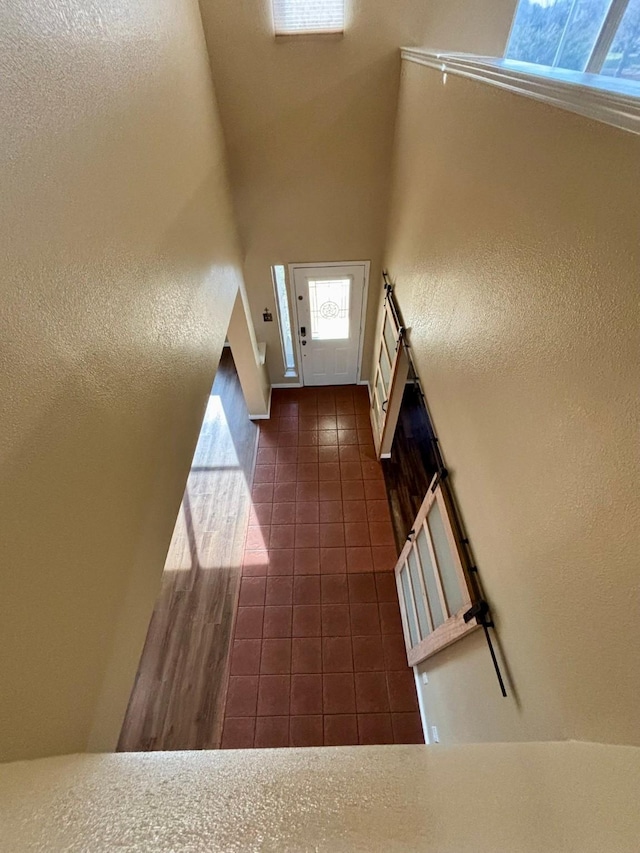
(303, 331)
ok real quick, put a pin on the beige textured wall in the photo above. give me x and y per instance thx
(491, 798)
(514, 245)
(252, 371)
(309, 126)
(119, 271)
(472, 26)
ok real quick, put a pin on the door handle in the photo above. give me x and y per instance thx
(384, 406)
(303, 331)
(304, 343)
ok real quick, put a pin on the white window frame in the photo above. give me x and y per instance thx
(606, 36)
(306, 31)
(288, 372)
(602, 44)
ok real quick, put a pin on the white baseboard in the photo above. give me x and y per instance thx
(300, 385)
(385, 456)
(421, 706)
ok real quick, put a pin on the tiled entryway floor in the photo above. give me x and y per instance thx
(318, 655)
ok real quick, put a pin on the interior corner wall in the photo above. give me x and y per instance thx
(309, 124)
(513, 245)
(120, 269)
(309, 127)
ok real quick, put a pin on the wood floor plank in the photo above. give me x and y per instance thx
(178, 698)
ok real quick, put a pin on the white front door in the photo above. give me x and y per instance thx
(329, 307)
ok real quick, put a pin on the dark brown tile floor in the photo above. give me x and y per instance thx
(318, 655)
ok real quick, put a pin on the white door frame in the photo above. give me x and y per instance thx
(363, 313)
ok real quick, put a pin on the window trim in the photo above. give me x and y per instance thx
(606, 99)
(288, 372)
(454, 627)
(323, 32)
(605, 37)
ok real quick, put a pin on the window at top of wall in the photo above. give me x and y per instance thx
(594, 36)
(293, 17)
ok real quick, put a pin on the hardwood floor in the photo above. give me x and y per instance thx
(178, 698)
(412, 465)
